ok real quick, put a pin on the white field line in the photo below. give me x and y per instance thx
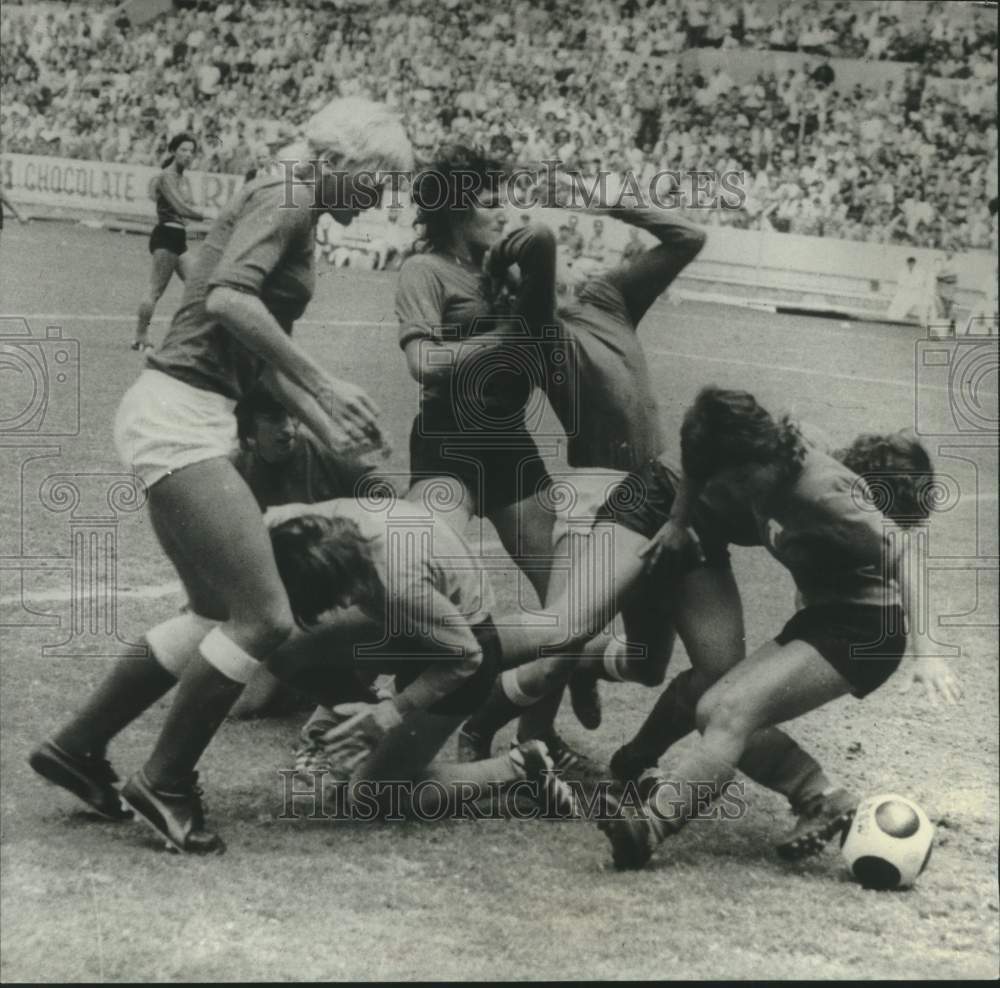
(654, 350)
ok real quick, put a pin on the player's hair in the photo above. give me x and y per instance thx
(357, 134)
(898, 471)
(452, 182)
(725, 429)
(324, 563)
(175, 142)
(259, 400)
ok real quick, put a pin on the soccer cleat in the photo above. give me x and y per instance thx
(633, 837)
(564, 758)
(554, 796)
(472, 747)
(820, 820)
(585, 698)
(90, 779)
(178, 816)
(627, 766)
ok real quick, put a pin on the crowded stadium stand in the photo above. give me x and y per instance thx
(856, 121)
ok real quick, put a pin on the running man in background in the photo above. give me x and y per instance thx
(168, 242)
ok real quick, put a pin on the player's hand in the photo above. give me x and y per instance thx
(362, 726)
(940, 684)
(670, 545)
(352, 412)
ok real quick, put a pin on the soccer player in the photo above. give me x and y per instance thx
(283, 462)
(600, 388)
(175, 429)
(691, 590)
(853, 568)
(469, 343)
(168, 242)
(426, 605)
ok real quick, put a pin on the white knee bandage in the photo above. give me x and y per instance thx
(231, 660)
(174, 641)
(615, 659)
(512, 689)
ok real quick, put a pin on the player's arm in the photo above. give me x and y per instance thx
(533, 250)
(922, 665)
(365, 724)
(170, 189)
(304, 406)
(256, 248)
(457, 653)
(676, 536)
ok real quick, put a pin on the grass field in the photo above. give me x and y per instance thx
(491, 899)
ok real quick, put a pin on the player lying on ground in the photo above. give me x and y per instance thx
(422, 612)
(854, 570)
(251, 279)
(599, 385)
(694, 593)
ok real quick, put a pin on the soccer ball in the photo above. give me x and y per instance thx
(889, 843)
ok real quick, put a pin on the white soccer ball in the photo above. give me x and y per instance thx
(889, 843)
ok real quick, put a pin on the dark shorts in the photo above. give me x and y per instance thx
(472, 694)
(172, 238)
(642, 502)
(863, 642)
(498, 468)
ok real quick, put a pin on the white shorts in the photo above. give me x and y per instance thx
(163, 424)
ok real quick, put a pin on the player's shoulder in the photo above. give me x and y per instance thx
(281, 203)
(832, 487)
(421, 266)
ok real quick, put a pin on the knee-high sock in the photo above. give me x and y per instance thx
(772, 759)
(671, 719)
(204, 697)
(512, 693)
(132, 686)
(698, 781)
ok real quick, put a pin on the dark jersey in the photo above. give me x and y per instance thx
(438, 299)
(259, 245)
(179, 185)
(600, 388)
(825, 532)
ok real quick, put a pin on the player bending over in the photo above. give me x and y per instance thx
(692, 592)
(853, 567)
(420, 610)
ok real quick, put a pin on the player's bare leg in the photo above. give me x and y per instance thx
(165, 263)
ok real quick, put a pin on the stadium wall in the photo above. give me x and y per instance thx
(759, 267)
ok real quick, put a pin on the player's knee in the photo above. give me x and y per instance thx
(268, 627)
(722, 709)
